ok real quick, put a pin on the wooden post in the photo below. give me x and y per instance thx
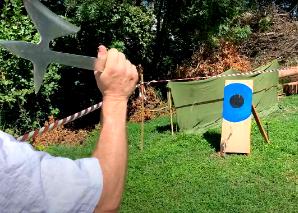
(261, 128)
(143, 112)
(170, 110)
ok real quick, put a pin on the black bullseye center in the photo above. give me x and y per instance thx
(236, 101)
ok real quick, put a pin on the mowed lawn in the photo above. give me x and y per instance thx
(183, 173)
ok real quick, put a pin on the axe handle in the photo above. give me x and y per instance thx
(79, 61)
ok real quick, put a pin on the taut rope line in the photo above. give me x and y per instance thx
(57, 123)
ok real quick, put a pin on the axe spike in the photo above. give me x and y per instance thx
(48, 24)
(39, 72)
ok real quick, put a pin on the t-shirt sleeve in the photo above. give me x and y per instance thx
(33, 181)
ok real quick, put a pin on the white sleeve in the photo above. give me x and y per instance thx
(32, 181)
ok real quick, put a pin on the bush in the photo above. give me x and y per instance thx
(22, 110)
(235, 33)
(123, 26)
(265, 23)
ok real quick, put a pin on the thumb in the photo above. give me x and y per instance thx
(101, 59)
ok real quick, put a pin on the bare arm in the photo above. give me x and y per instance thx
(116, 83)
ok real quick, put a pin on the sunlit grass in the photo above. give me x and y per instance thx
(183, 173)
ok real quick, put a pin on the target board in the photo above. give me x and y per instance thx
(237, 111)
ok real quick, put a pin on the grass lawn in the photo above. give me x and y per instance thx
(183, 173)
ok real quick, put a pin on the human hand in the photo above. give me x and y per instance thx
(115, 76)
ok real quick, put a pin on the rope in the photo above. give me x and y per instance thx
(157, 110)
(57, 123)
(211, 77)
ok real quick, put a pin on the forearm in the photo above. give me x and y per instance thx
(116, 78)
(111, 150)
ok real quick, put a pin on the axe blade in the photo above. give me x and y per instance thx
(20, 48)
(38, 73)
(48, 24)
(33, 53)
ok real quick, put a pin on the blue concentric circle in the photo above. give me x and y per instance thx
(237, 102)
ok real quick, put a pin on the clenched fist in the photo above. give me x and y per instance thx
(116, 77)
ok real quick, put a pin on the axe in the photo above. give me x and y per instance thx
(50, 26)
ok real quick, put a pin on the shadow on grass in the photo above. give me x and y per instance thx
(213, 138)
(167, 128)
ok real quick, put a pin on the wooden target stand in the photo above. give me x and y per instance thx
(236, 124)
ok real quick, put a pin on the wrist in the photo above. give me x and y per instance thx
(114, 109)
(116, 99)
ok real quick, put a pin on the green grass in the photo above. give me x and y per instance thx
(183, 173)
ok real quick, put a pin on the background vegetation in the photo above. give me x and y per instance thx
(158, 34)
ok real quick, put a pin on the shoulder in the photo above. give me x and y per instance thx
(16, 152)
(20, 176)
(61, 183)
(4, 137)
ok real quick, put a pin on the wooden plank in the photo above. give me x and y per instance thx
(235, 137)
(261, 128)
(290, 71)
(143, 112)
(170, 110)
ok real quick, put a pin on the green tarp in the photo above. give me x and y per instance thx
(199, 103)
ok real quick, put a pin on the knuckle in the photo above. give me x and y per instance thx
(113, 50)
(128, 64)
(98, 67)
(122, 56)
(120, 67)
(135, 74)
(134, 68)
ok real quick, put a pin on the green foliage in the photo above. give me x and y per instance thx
(235, 33)
(123, 26)
(119, 45)
(183, 173)
(265, 24)
(241, 33)
(21, 109)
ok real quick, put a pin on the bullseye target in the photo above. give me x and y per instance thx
(237, 111)
(237, 102)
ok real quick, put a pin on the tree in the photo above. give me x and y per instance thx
(182, 26)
